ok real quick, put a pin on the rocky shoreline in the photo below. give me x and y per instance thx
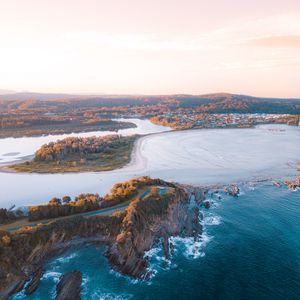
(128, 235)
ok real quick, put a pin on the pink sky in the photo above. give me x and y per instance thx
(151, 47)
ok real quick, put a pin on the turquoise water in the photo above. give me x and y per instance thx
(250, 250)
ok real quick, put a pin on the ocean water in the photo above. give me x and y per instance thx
(250, 249)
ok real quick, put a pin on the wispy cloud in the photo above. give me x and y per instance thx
(275, 31)
(280, 41)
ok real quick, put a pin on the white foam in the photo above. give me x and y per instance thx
(110, 296)
(119, 275)
(212, 220)
(192, 249)
(67, 258)
(52, 275)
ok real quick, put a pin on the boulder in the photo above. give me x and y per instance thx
(69, 286)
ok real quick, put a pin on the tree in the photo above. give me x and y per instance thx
(55, 201)
(66, 199)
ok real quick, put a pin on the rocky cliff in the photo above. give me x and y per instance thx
(149, 221)
(22, 254)
(167, 210)
(69, 286)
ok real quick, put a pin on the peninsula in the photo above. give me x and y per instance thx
(74, 154)
(166, 210)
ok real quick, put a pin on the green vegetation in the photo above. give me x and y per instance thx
(29, 247)
(59, 208)
(80, 155)
(134, 189)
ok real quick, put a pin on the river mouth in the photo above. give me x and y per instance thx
(199, 157)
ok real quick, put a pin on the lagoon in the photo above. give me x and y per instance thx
(202, 157)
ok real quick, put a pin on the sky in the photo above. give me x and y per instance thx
(151, 47)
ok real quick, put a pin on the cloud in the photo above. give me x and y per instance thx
(280, 41)
(275, 31)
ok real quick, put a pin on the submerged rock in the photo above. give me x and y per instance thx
(69, 286)
(206, 204)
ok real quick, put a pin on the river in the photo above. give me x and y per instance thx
(201, 157)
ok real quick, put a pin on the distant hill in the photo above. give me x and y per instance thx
(211, 103)
(15, 96)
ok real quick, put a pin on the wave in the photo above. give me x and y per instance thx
(65, 259)
(52, 275)
(110, 296)
(212, 220)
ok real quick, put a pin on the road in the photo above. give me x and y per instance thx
(12, 227)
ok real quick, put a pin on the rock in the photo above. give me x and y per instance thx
(148, 221)
(128, 235)
(166, 246)
(69, 286)
(206, 204)
(35, 281)
(293, 185)
(233, 190)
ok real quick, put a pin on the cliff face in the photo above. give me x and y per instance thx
(167, 210)
(146, 223)
(23, 253)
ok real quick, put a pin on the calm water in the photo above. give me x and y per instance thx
(13, 149)
(250, 250)
(195, 156)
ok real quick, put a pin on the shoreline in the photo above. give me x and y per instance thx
(59, 184)
(134, 160)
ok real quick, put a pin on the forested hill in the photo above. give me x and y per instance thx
(212, 103)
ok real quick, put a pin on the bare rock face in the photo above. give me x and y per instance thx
(69, 286)
(169, 210)
(34, 283)
(148, 221)
(24, 253)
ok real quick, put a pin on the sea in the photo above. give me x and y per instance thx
(249, 249)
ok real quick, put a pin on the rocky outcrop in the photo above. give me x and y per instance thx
(293, 184)
(233, 190)
(23, 253)
(146, 223)
(69, 286)
(35, 281)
